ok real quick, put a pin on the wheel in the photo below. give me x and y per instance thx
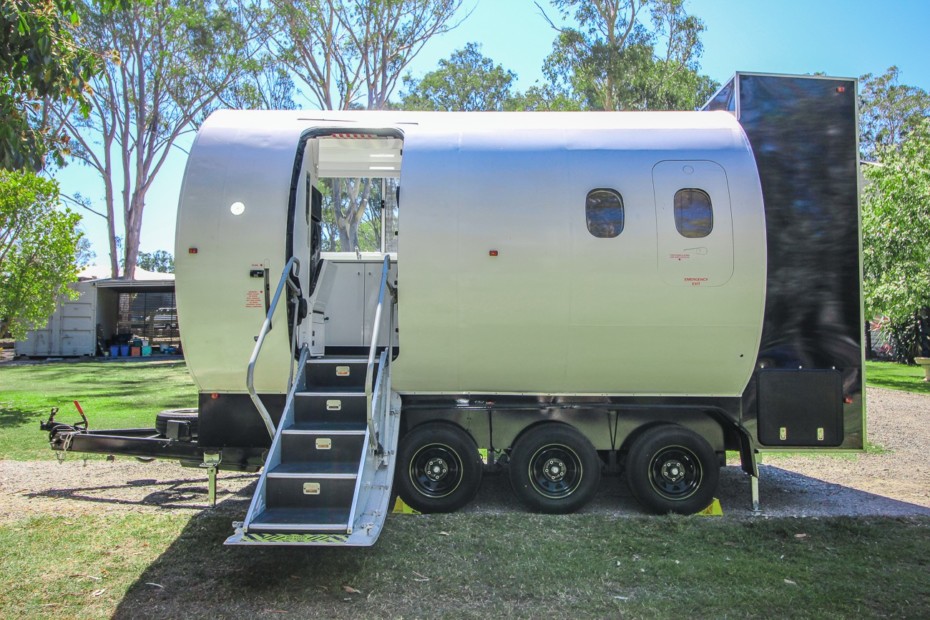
(672, 469)
(438, 468)
(185, 415)
(554, 469)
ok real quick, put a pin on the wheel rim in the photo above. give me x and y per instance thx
(675, 473)
(436, 470)
(555, 471)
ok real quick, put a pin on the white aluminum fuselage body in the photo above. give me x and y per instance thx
(502, 288)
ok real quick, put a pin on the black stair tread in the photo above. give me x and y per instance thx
(310, 468)
(301, 516)
(340, 359)
(327, 427)
(314, 390)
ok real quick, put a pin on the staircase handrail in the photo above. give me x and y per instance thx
(372, 350)
(292, 263)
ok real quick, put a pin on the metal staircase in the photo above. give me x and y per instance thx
(327, 478)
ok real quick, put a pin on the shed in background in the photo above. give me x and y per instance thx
(107, 311)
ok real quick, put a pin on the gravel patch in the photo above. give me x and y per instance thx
(892, 482)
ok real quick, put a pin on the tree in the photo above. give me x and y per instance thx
(350, 54)
(38, 245)
(889, 111)
(176, 58)
(896, 235)
(40, 60)
(466, 81)
(611, 60)
(158, 261)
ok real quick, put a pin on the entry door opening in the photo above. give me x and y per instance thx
(358, 178)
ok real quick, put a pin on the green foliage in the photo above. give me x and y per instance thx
(38, 246)
(614, 58)
(40, 61)
(466, 81)
(158, 261)
(896, 228)
(889, 111)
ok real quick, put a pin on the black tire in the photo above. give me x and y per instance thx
(185, 415)
(554, 469)
(672, 469)
(438, 468)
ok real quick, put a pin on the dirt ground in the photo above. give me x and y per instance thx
(894, 481)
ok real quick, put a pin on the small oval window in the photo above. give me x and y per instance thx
(694, 214)
(604, 213)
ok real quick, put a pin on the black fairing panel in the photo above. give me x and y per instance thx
(803, 133)
(800, 407)
(231, 420)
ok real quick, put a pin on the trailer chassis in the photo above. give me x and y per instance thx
(147, 444)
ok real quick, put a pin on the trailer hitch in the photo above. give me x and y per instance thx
(60, 434)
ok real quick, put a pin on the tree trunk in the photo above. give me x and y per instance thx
(133, 230)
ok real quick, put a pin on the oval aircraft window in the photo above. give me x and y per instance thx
(694, 213)
(603, 211)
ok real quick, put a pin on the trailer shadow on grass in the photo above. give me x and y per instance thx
(233, 493)
(494, 557)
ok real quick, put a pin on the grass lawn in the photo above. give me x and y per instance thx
(475, 566)
(894, 376)
(113, 395)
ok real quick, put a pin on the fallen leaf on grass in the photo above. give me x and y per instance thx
(154, 585)
(350, 590)
(98, 592)
(800, 535)
(421, 577)
(622, 598)
(444, 533)
(790, 583)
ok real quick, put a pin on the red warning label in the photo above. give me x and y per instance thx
(254, 299)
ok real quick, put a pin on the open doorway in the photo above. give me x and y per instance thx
(357, 175)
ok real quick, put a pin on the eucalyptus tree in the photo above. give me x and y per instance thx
(889, 111)
(625, 55)
(168, 63)
(466, 81)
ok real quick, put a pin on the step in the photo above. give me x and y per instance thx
(301, 520)
(330, 407)
(302, 490)
(322, 446)
(319, 468)
(338, 373)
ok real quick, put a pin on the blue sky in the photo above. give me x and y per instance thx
(845, 38)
